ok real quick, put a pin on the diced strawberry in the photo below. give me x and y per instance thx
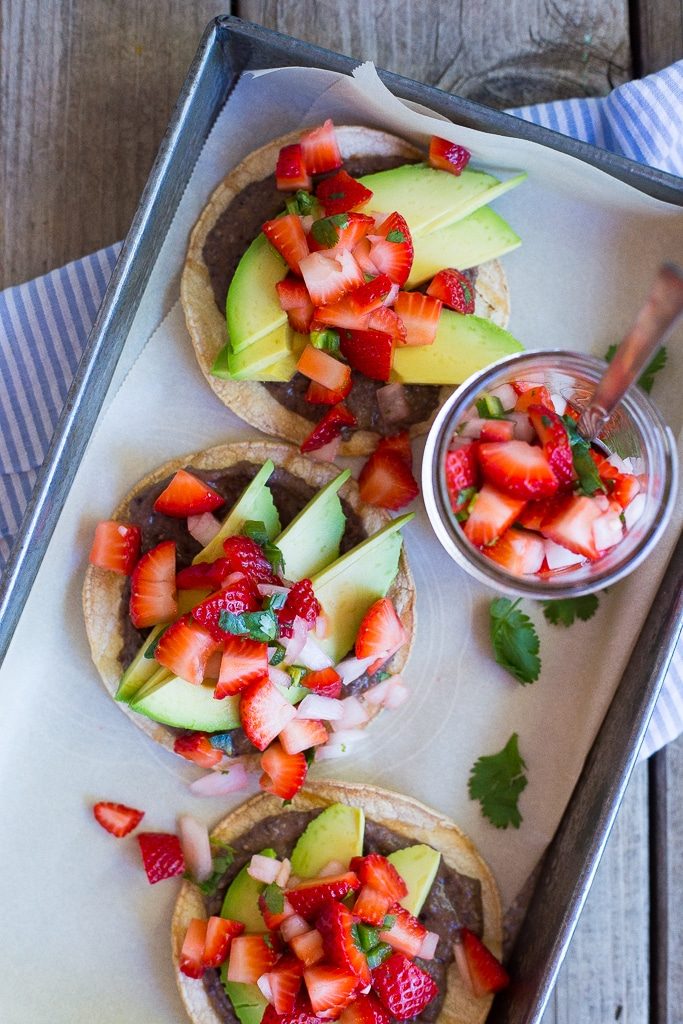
(250, 957)
(405, 933)
(554, 439)
(533, 514)
(340, 193)
(454, 289)
(301, 603)
(388, 322)
(391, 248)
(329, 274)
(571, 525)
(240, 596)
(380, 634)
(320, 148)
(370, 295)
(378, 872)
(356, 227)
(285, 982)
(301, 318)
(462, 472)
(220, 932)
(196, 746)
(369, 352)
(308, 947)
(186, 495)
(330, 989)
(162, 856)
(152, 587)
(290, 170)
(420, 314)
(518, 469)
(292, 292)
(264, 712)
(403, 987)
(372, 905)
(316, 394)
(330, 426)
(387, 481)
(115, 546)
(203, 575)
(287, 235)
(342, 314)
(518, 551)
(335, 924)
(184, 649)
(190, 962)
(399, 443)
(608, 528)
(448, 156)
(625, 489)
(117, 818)
(324, 369)
(246, 556)
(361, 254)
(339, 231)
(490, 515)
(310, 896)
(326, 681)
(534, 394)
(365, 1009)
(273, 919)
(606, 471)
(484, 972)
(302, 734)
(283, 773)
(497, 430)
(244, 661)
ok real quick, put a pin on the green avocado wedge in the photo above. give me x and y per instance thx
(311, 541)
(417, 865)
(173, 701)
(252, 307)
(482, 236)
(336, 834)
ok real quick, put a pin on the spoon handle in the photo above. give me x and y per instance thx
(663, 305)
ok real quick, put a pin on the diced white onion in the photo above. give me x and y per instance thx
(332, 868)
(607, 531)
(221, 783)
(278, 676)
(294, 644)
(472, 427)
(234, 577)
(353, 714)
(397, 695)
(634, 510)
(315, 706)
(283, 877)
(269, 589)
(559, 557)
(313, 657)
(203, 527)
(507, 395)
(339, 744)
(322, 626)
(428, 947)
(353, 668)
(376, 695)
(294, 925)
(306, 222)
(559, 404)
(391, 297)
(457, 442)
(393, 402)
(619, 463)
(327, 452)
(264, 985)
(602, 501)
(523, 428)
(194, 842)
(263, 869)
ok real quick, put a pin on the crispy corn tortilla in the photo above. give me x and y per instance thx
(206, 323)
(403, 815)
(103, 590)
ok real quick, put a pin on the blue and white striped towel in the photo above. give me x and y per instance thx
(44, 323)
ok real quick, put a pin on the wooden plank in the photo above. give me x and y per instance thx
(86, 91)
(515, 53)
(657, 30)
(667, 889)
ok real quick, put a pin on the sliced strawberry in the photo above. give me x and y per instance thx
(301, 603)
(387, 481)
(403, 987)
(335, 924)
(196, 746)
(162, 856)
(220, 932)
(462, 472)
(190, 962)
(448, 156)
(264, 712)
(518, 551)
(571, 525)
(388, 322)
(302, 734)
(246, 556)
(398, 443)
(533, 514)
(290, 169)
(454, 289)
(484, 972)
(321, 150)
(497, 430)
(152, 587)
(370, 295)
(490, 515)
(285, 982)
(532, 394)
(554, 439)
(324, 369)
(625, 489)
(203, 575)
(340, 193)
(316, 394)
(365, 1009)
(115, 546)
(380, 635)
(342, 314)
(330, 989)
(405, 933)
(117, 818)
(326, 681)
(250, 957)
(286, 234)
(376, 871)
(273, 919)
(310, 896)
(361, 254)
(330, 426)
(186, 495)
(301, 318)
(185, 648)
(301, 1014)
(391, 248)
(372, 905)
(244, 661)
(308, 947)
(329, 274)
(420, 314)
(283, 773)
(518, 469)
(292, 292)
(355, 228)
(339, 231)
(240, 596)
(369, 352)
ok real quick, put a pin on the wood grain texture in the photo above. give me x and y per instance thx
(504, 53)
(666, 775)
(658, 28)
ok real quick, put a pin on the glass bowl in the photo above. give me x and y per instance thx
(636, 431)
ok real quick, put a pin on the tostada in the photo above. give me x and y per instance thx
(353, 310)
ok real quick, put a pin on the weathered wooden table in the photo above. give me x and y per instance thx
(86, 88)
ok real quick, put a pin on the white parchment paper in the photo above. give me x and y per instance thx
(590, 246)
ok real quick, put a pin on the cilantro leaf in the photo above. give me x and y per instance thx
(274, 898)
(275, 557)
(222, 858)
(149, 652)
(278, 655)
(256, 530)
(261, 626)
(396, 236)
(647, 377)
(326, 230)
(309, 754)
(584, 466)
(514, 639)
(496, 781)
(565, 611)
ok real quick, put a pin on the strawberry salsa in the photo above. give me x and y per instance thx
(529, 491)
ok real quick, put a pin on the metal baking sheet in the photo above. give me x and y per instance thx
(230, 47)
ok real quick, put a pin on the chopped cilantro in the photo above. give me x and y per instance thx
(584, 466)
(275, 557)
(496, 781)
(514, 639)
(326, 230)
(310, 756)
(327, 340)
(647, 377)
(379, 954)
(565, 611)
(257, 531)
(222, 858)
(305, 201)
(274, 898)
(260, 626)
(149, 652)
(396, 236)
(296, 673)
(275, 601)
(266, 938)
(278, 655)
(463, 502)
(389, 921)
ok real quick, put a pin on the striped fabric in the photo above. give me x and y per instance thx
(44, 323)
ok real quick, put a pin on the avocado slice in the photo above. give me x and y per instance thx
(311, 541)
(282, 369)
(173, 701)
(248, 1001)
(463, 345)
(348, 587)
(482, 236)
(256, 504)
(250, 362)
(336, 834)
(417, 865)
(252, 307)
